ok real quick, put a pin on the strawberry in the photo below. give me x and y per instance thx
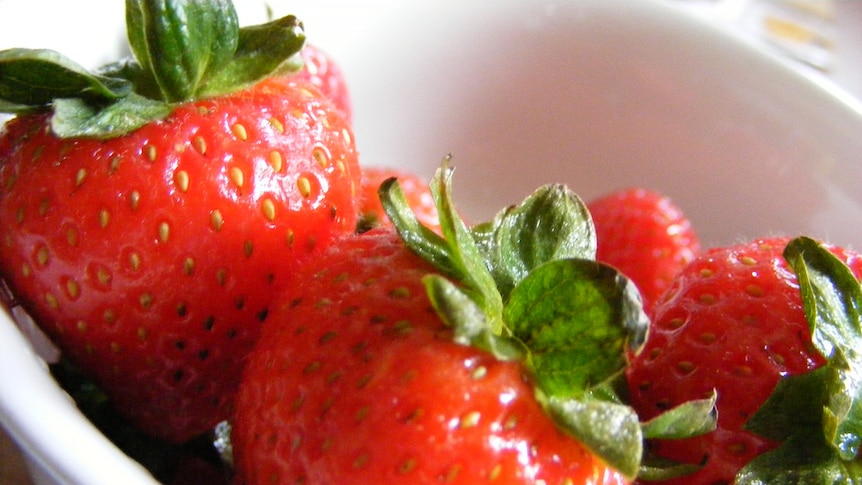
(381, 367)
(146, 221)
(321, 70)
(386, 395)
(646, 236)
(735, 322)
(371, 212)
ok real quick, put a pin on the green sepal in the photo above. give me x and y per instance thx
(579, 318)
(10, 108)
(184, 51)
(263, 50)
(654, 468)
(456, 252)
(803, 459)
(35, 77)
(817, 416)
(689, 419)
(609, 430)
(429, 245)
(551, 223)
(182, 43)
(796, 406)
(832, 298)
(468, 321)
(75, 118)
(130, 69)
(239, 56)
(471, 268)
(525, 286)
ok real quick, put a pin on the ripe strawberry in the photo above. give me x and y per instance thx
(150, 256)
(357, 380)
(377, 369)
(321, 70)
(371, 212)
(733, 322)
(646, 236)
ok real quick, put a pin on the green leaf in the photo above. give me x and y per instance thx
(609, 430)
(796, 405)
(12, 109)
(184, 50)
(655, 469)
(803, 459)
(75, 118)
(182, 42)
(570, 320)
(468, 321)
(817, 403)
(455, 253)
(817, 416)
(831, 296)
(263, 50)
(429, 245)
(842, 415)
(471, 268)
(136, 33)
(456, 308)
(552, 223)
(578, 317)
(691, 418)
(35, 77)
(131, 70)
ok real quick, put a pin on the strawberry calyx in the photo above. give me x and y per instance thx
(183, 51)
(526, 287)
(817, 416)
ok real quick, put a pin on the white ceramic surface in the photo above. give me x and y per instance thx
(599, 94)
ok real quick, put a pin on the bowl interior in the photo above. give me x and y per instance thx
(606, 94)
(599, 94)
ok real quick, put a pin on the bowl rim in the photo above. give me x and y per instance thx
(80, 455)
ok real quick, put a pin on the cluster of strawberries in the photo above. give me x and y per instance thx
(197, 235)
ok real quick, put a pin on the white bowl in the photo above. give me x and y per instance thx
(599, 94)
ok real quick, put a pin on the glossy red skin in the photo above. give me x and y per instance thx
(731, 321)
(356, 380)
(165, 339)
(322, 71)
(415, 188)
(646, 236)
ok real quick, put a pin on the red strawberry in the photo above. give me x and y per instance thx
(371, 213)
(377, 369)
(646, 236)
(150, 257)
(732, 321)
(321, 70)
(357, 380)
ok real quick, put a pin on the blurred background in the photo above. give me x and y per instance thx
(823, 36)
